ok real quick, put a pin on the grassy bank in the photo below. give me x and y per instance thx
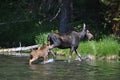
(102, 48)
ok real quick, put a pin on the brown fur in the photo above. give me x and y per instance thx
(42, 52)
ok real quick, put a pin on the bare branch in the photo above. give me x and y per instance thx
(56, 14)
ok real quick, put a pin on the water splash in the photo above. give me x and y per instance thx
(48, 61)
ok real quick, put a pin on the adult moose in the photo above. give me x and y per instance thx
(69, 40)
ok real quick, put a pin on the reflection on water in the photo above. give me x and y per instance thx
(17, 68)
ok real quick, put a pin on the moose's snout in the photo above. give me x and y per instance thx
(89, 35)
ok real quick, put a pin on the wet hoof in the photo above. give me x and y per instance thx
(48, 61)
(78, 59)
(69, 61)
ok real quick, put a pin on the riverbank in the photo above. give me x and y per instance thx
(103, 49)
(60, 56)
(89, 57)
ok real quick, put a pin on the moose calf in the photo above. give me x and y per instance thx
(42, 52)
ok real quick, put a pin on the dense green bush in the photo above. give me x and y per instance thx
(41, 38)
(104, 47)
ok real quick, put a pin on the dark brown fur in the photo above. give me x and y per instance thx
(69, 40)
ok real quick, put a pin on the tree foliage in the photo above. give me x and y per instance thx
(25, 16)
(112, 15)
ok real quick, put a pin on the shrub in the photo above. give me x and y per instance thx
(104, 47)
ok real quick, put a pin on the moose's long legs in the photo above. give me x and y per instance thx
(78, 54)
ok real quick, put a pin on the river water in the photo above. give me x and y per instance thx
(17, 68)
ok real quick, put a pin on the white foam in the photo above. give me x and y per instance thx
(48, 61)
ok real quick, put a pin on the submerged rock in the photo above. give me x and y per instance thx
(87, 58)
(90, 57)
(112, 57)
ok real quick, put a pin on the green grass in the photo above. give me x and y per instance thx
(104, 47)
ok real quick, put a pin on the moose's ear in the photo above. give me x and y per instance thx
(84, 26)
(48, 43)
(88, 31)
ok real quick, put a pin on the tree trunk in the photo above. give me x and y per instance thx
(65, 16)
